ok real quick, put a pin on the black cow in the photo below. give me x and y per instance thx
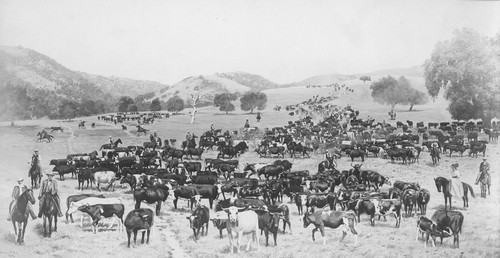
(151, 195)
(220, 222)
(139, 219)
(199, 220)
(423, 197)
(228, 151)
(96, 212)
(64, 169)
(284, 213)
(321, 200)
(363, 206)
(209, 192)
(449, 223)
(186, 192)
(268, 222)
(270, 171)
(75, 198)
(84, 174)
(131, 180)
(194, 151)
(192, 167)
(205, 179)
(57, 162)
(409, 198)
(287, 165)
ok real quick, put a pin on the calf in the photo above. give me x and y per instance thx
(331, 219)
(423, 197)
(409, 200)
(220, 222)
(199, 219)
(138, 219)
(239, 223)
(96, 212)
(426, 227)
(75, 198)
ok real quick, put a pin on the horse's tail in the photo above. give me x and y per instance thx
(471, 190)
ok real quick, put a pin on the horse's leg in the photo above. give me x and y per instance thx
(55, 223)
(50, 225)
(25, 223)
(44, 226)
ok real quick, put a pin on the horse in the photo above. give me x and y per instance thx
(485, 181)
(35, 174)
(81, 125)
(444, 184)
(56, 128)
(49, 211)
(435, 155)
(141, 130)
(20, 215)
(42, 136)
(108, 146)
(92, 125)
(189, 143)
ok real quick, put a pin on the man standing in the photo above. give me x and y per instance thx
(49, 185)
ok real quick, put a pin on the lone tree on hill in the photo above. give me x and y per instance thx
(195, 100)
(223, 101)
(175, 104)
(365, 78)
(464, 67)
(251, 100)
(155, 105)
(124, 102)
(390, 91)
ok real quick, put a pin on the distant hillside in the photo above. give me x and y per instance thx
(42, 72)
(417, 71)
(323, 79)
(209, 85)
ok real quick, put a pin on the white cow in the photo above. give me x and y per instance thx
(105, 177)
(242, 223)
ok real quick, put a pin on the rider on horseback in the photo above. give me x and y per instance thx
(484, 170)
(49, 185)
(19, 189)
(36, 161)
(111, 142)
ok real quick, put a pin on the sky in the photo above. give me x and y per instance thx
(284, 41)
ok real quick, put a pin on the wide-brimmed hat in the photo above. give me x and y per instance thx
(36, 150)
(455, 165)
(50, 174)
(484, 158)
(20, 179)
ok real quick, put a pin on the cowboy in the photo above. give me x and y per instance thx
(188, 136)
(111, 141)
(36, 161)
(49, 185)
(258, 117)
(212, 127)
(484, 168)
(247, 124)
(331, 158)
(19, 189)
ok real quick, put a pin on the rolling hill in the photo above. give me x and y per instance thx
(20, 65)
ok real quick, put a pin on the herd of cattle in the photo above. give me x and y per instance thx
(155, 172)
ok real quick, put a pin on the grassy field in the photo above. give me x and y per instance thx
(172, 237)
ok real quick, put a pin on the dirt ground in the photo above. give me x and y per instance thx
(171, 236)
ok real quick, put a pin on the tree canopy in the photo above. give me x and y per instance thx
(155, 105)
(123, 103)
(223, 101)
(365, 78)
(390, 91)
(175, 104)
(466, 68)
(252, 99)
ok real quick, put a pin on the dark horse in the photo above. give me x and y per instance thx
(19, 214)
(49, 211)
(189, 143)
(444, 184)
(108, 146)
(43, 136)
(35, 174)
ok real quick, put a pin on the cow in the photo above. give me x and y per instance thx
(74, 198)
(253, 203)
(194, 151)
(409, 198)
(139, 219)
(104, 177)
(427, 227)
(199, 220)
(287, 165)
(191, 167)
(209, 192)
(205, 179)
(331, 219)
(131, 180)
(96, 212)
(58, 162)
(268, 222)
(449, 223)
(363, 206)
(220, 222)
(270, 171)
(385, 207)
(239, 223)
(321, 200)
(84, 174)
(64, 169)
(423, 197)
(151, 195)
(186, 192)
(284, 213)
